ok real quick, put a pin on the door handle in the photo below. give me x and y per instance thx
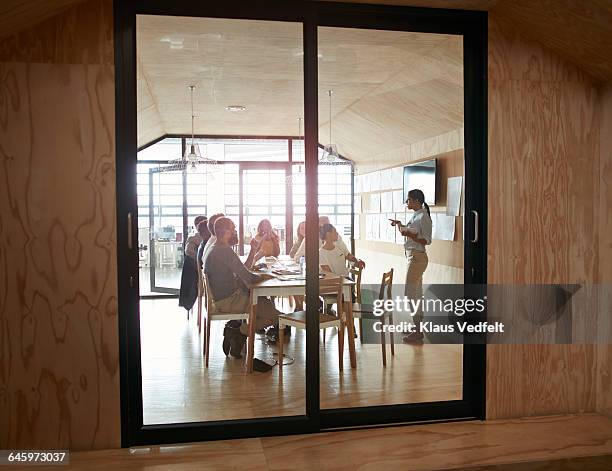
(130, 231)
(476, 228)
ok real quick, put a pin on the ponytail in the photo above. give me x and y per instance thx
(419, 196)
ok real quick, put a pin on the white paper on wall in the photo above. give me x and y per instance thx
(444, 227)
(374, 203)
(386, 179)
(375, 181)
(389, 229)
(386, 201)
(398, 201)
(366, 182)
(397, 177)
(372, 226)
(453, 196)
(358, 183)
(401, 217)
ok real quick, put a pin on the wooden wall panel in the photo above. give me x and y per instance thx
(543, 223)
(604, 325)
(59, 365)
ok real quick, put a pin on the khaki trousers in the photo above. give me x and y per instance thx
(239, 301)
(417, 263)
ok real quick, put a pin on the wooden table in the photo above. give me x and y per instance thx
(276, 287)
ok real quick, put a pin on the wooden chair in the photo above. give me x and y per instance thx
(211, 315)
(359, 310)
(200, 295)
(356, 273)
(330, 286)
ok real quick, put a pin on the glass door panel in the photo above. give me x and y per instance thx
(166, 219)
(254, 68)
(399, 93)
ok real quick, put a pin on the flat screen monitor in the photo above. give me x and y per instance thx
(422, 176)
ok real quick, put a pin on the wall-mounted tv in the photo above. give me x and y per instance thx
(421, 175)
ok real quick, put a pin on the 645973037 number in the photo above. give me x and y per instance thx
(15, 457)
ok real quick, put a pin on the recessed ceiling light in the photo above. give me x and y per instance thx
(174, 42)
(235, 108)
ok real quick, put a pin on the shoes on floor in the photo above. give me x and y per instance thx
(234, 323)
(228, 332)
(272, 334)
(237, 342)
(413, 337)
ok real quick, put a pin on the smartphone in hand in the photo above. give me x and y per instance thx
(394, 222)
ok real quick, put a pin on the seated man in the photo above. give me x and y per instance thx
(205, 234)
(194, 241)
(212, 239)
(228, 276)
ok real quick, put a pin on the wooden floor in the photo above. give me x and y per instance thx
(532, 444)
(178, 388)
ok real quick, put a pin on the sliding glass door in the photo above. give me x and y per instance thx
(376, 89)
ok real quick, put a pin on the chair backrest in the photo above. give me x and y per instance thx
(208, 300)
(386, 284)
(200, 279)
(356, 272)
(332, 286)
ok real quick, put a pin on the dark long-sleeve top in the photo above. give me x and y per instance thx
(225, 271)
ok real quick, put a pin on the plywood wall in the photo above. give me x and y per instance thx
(604, 325)
(543, 213)
(59, 366)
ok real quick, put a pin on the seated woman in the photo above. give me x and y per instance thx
(301, 233)
(266, 241)
(333, 256)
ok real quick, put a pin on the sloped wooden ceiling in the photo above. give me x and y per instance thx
(16, 15)
(579, 31)
(390, 89)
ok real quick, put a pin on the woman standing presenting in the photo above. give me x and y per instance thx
(418, 234)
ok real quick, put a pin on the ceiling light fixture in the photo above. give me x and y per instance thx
(193, 155)
(330, 151)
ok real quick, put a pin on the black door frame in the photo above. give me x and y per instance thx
(472, 25)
